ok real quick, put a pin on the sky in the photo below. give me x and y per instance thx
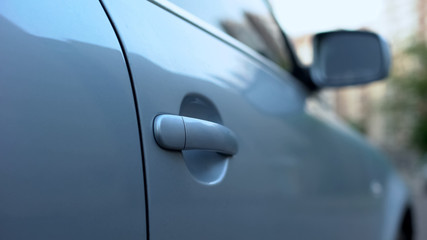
(300, 17)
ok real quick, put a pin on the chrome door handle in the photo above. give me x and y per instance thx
(178, 133)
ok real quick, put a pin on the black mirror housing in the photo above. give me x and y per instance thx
(344, 58)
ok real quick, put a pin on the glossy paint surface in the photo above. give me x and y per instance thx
(298, 174)
(70, 160)
(70, 157)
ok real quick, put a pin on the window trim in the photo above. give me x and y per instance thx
(215, 32)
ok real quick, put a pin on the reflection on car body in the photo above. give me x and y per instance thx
(83, 157)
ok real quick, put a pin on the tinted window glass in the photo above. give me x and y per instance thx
(250, 22)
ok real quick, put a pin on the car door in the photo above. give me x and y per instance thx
(70, 157)
(294, 176)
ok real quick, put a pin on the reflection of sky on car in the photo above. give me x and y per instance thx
(32, 18)
(310, 16)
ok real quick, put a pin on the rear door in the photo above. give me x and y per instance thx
(293, 176)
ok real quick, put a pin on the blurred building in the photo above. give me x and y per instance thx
(422, 19)
(399, 21)
(402, 23)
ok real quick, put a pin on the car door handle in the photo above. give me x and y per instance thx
(178, 133)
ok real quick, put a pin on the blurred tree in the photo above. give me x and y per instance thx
(406, 102)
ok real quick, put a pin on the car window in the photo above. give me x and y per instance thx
(250, 22)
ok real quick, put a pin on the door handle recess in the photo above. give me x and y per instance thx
(178, 133)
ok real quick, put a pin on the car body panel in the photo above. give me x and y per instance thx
(70, 152)
(296, 175)
(70, 159)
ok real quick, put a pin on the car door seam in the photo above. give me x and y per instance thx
(123, 49)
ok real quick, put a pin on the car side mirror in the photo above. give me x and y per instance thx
(344, 58)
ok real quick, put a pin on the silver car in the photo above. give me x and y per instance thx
(186, 120)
